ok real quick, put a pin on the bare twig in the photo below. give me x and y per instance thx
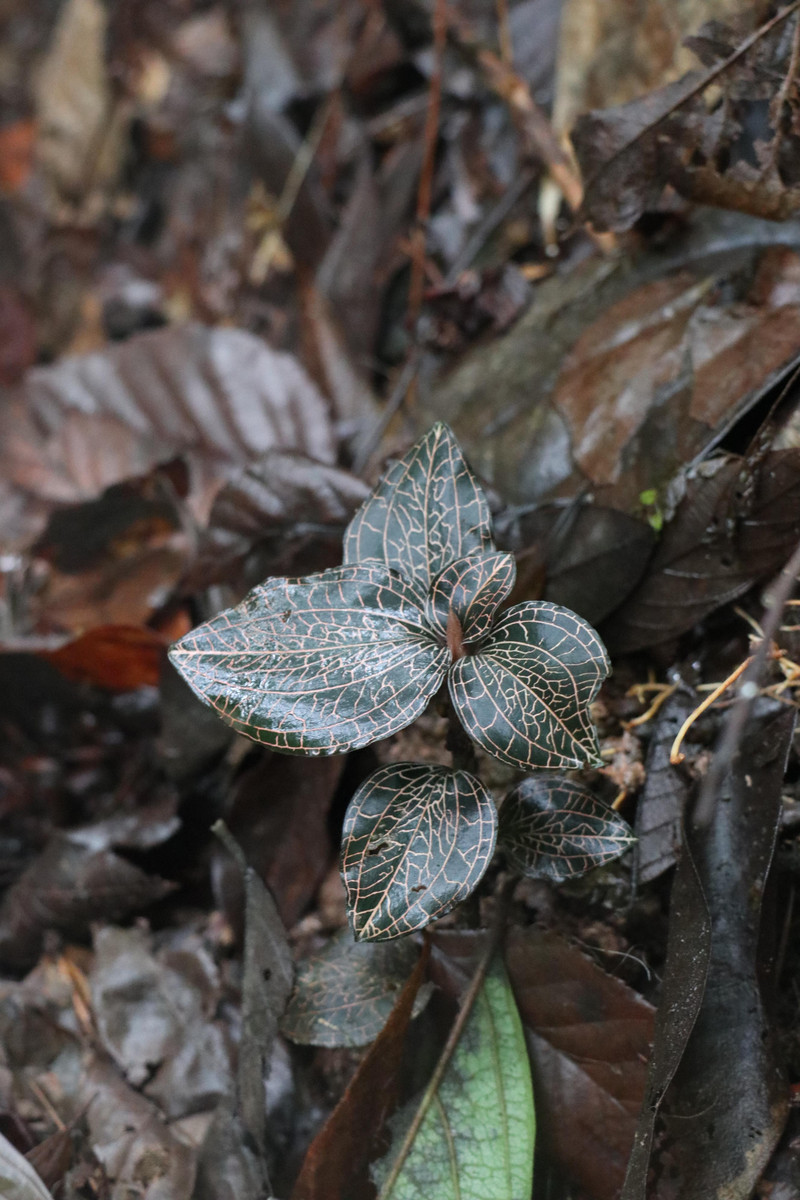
(737, 719)
(417, 285)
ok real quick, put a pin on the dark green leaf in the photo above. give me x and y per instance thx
(555, 829)
(475, 1141)
(317, 665)
(473, 588)
(343, 996)
(417, 838)
(524, 696)
(427, 511)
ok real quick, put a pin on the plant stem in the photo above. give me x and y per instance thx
(459, 743)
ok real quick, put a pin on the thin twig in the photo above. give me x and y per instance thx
(392, 406)
(467, 1004)
(783, 95)
(737, 719)
(504, 33)
(419, 237)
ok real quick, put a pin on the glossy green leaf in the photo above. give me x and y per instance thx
(417, 838)
(317, 665)
(343, 995)
(427, 511)
(524, 696)
(473, 588)
(476, 1139)
(555, 829)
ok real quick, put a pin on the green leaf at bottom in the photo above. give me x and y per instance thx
(417, 838)
(476, 1138)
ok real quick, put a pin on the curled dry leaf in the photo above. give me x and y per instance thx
(344, 995)
(671, 138)
(81, 130)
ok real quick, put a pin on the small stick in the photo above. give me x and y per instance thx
(504, 33)
(675, 755)
(417, 284)
(734, 726)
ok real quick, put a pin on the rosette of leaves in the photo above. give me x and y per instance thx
(348, 656)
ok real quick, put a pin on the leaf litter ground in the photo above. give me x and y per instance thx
(207, 224)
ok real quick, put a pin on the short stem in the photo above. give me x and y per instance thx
(459, 743)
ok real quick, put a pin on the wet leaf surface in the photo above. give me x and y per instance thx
(402, 523)
(553, 828)
(416, 840)
(344, 995)
(475, 1141)
(523, 696)
(318, 665)
(337, 1158)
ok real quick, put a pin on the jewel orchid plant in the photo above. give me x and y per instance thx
(354, 654)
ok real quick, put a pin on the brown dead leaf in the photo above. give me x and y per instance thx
(79, 878)
(154, 1016)
(140, 1153)
(286, 841)
(217, 398)
(80, 128)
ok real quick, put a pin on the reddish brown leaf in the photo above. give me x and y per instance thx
(117, 657)
(17, 141)
(280, 818)
(337, 1158)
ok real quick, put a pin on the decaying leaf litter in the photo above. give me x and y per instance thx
(247, 255)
